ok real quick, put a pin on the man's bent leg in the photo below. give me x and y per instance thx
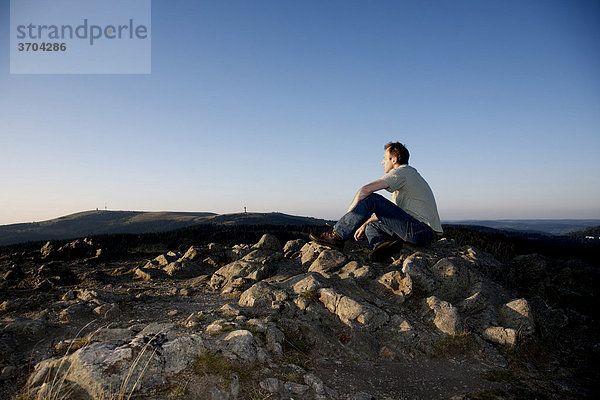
(392, 220)
(352, 220)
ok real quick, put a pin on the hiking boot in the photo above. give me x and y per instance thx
(329, 238)
(383, 251)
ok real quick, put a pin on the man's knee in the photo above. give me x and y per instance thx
(372, 198)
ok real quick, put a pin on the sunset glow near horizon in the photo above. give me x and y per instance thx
(286, 106)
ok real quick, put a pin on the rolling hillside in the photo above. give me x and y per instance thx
(109, 222)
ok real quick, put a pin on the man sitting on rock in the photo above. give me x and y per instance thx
(411, 218)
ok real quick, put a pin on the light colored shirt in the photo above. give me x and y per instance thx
(411, 193)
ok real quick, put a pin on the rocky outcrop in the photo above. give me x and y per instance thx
(78, 249)
(273, 308)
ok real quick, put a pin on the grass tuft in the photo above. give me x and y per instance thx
(208, 363)
(455, 345)
(297, 349)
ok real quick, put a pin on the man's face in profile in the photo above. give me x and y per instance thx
(388, 162)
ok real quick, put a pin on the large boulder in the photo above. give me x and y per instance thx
(328, 262)
(268, 242)
(417, 267)
(103, 370)
(455, 278)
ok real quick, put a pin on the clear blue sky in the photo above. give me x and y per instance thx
(286, 105)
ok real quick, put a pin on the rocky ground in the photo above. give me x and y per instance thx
(295, 321)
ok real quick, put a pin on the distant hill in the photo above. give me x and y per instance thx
(89, 223)
(556, 227)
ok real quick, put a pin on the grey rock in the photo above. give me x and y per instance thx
(192, 254)
(239, 274)
(108, 311)
(8, 372)
(194, 319)
(455, 278)
(445, 316)
(148, 274)
(165, 259)
(261, 294)
(479, 312)
(397, 283)
(417, 267)
(24, 326)
(242, 343)
(229, 310)
(237, 252)
(184, 269)
(315, 383)
(310, 251)
(293, 247)
(308, 283)
(268, 242)
(355, 270)
(517, 315)
(91, 295)
(328, 262)
(101, 369)
(106, 334)
(500, 335)
(219, 326)
(352, 312)
(274, 338)
(156, 328)
(74, 312)
(484, 262)
(262, 256)
(47, 250)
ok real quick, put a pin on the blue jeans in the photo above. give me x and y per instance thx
(393, 222)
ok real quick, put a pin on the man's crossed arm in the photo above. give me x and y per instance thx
(363, 193)
(367, 190)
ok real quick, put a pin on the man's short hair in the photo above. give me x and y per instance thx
(398, 150)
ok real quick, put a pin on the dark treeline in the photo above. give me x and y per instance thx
(504, 246)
